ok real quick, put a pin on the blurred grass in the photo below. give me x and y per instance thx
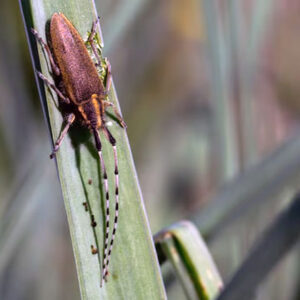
(226, 139)
(121, 19)
(274, 244)
(259, 184)
(19, 208)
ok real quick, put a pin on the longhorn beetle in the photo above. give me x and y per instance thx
(79, 86)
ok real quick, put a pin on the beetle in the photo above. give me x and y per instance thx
(78, 85)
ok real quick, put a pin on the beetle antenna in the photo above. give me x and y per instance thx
(112, 141)
(104, 174)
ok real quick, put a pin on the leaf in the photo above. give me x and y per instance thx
(182, 244)
(134, 270)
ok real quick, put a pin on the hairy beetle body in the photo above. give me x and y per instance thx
(79, 75)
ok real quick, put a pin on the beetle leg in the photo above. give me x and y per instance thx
(52, 85)
(54, 66)
(108, 80)
(119, 117)
(108, 77)
(91, 41)
(99, 62)
(70, 120)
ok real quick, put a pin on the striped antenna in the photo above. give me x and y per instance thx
(103, 168)
(112, 141)
(105, 269)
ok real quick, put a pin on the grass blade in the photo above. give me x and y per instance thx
(134, 271)
(182, 244)
(225, 138)
(278, 239)
(259, 183)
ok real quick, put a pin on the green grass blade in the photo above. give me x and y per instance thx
(134, 271)
(22, 204)
(225, 138)
(280, 170)
(182, 244)
(122, 16)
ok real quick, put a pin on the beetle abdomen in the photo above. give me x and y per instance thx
(79, 74)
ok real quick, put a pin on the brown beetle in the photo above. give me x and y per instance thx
(80, 88)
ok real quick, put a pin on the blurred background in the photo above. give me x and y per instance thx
(209, 91)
